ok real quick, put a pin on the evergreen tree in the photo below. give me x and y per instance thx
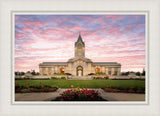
(143, 73)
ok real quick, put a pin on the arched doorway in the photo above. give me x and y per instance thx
(79, 71)
(97, 70)
(61, 70)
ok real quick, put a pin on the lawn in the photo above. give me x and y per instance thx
(84, 83)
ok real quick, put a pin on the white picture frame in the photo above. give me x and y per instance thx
(153, 55)
(14, 13)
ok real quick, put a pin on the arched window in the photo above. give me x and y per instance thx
(43, 71)
(49, 71)
(109, 71)
(97, 70)
(116, 71)
(61, 70)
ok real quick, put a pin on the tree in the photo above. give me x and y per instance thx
(125, 73)
(28, 72)
(22, 73)
(138, 73)
(16, 73)
(143, 73)
(33, 72)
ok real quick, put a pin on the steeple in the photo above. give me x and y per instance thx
(79, 47)
(79, 39)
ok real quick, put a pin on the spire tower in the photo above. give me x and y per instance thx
(79, 47)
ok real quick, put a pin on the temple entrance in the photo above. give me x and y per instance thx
(79, 71)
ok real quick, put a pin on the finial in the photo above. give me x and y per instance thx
(79, 33)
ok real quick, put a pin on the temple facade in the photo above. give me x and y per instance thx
(79, 65)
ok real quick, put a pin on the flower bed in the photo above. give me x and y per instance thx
(124, 89)
(27, 88)
(80, 95)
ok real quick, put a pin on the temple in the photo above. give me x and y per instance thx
(79, 65)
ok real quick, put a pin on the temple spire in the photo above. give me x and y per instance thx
(79, 39)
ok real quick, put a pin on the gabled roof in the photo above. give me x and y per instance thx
(79, 58)
(79, 39)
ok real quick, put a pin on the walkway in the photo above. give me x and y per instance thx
(52, 95)
(80, 78)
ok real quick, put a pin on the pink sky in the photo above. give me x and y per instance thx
(108, 38)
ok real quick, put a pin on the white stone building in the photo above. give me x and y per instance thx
(79, 65)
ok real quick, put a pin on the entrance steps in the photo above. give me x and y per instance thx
(80, 78)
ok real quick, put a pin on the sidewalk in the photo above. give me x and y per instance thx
(48, 96)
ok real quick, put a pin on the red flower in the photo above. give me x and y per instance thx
(39, 82)
(17, 84)
(27, 83)
(92, 96)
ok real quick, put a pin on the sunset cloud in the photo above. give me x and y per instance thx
(108, 38)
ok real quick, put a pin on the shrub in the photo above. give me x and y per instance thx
(26, 78)
(68, 74)
(33, 88)
(125, 73)
(63, 78)
(53, 77)
(123, 89)
(59, 74)
(106, 77)
(98, 78)
(135, 88)
(38, 87)
(47, 86)
(40, 78)
(91, 74)
(114, 74)
(100, 73)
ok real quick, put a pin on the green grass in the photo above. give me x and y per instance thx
(85, 83)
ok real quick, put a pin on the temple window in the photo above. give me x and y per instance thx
(116, 71)
(109, 71)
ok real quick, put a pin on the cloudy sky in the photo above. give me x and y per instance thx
(108, 38)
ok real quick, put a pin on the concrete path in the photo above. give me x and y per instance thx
(123, 96)
(52, 95)
(36, 96)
